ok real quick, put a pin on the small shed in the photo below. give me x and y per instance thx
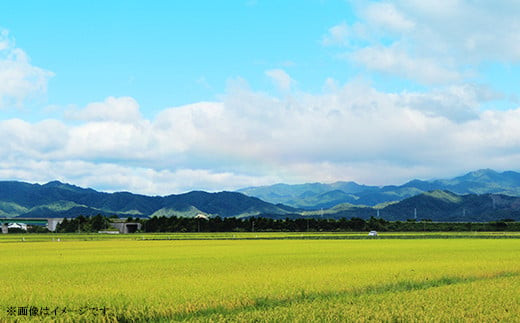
(126, 227)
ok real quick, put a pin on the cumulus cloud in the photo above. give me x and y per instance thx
(350, 132)
(19, 80)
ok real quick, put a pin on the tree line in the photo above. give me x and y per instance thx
(261, 224)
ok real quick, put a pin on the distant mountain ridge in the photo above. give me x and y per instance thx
(480, 196)
(437, 205)
(447, 206)
(56, 199)
(318, 195)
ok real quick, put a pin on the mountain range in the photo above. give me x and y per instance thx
(56, 199)
(479, 196)
(438, 205)
(315, 196)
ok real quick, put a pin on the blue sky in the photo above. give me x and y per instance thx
(170, 53)
(171, 96)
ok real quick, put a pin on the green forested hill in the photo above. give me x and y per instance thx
(57, 199)
(409, 201)
(447, 206)
(317, 195)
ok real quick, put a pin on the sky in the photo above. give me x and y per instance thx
(165, 97)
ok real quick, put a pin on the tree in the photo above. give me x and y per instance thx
(98, 222)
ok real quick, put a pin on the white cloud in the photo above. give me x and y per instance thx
(124, 110)
(471, 31)
(351, 132)
(281, 79)
(393, 60)
(431, 42)
(457, 102)
(22, 139)
(19, 80)
(113, 177)
(108, 140)
(385, 15)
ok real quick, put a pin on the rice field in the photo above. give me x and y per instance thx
(54, 237)
(137, 278)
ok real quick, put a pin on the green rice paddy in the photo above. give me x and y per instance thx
(265, 277)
